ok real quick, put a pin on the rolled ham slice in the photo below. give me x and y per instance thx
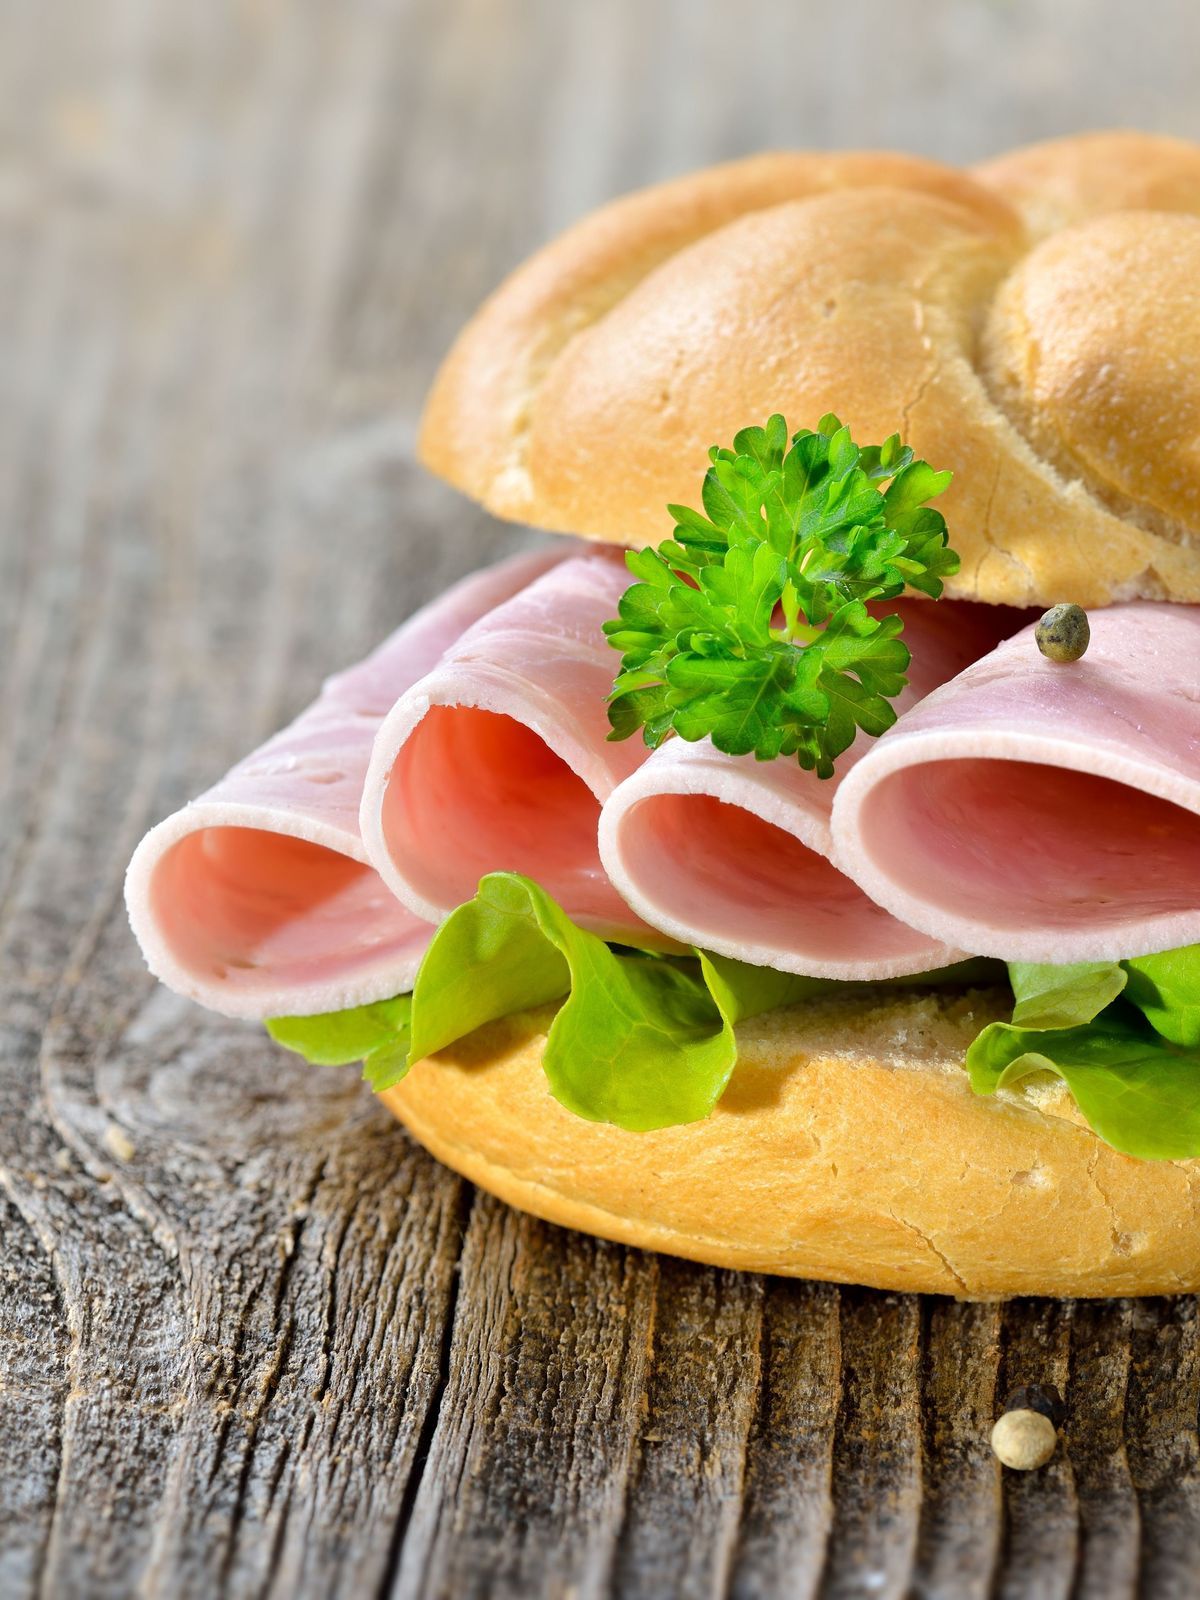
(499, 759)
(257, 899)
(738, 856)
(1038, 812)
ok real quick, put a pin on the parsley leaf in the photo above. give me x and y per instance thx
(751, 625)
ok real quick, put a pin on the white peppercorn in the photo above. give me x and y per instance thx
(1024, 1440)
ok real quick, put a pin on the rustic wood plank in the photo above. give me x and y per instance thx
(1110, 1524)
(33, 1355)
(527, 1473)
(961, 1505)
(877, 1452)
(252, 1341)
(787, 1507)
(318, 1290)
(1041, 1542)
(682, 1515)
(1161, 1441)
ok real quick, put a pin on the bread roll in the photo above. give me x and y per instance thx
(849, 1146)
(1011, 325)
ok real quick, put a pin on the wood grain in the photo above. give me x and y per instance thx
(252, 1341)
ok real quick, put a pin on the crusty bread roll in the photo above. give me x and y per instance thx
(849, 1146)
(1035, 326)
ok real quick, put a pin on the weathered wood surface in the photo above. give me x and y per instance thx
(252, 1341)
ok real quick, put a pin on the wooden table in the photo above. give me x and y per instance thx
(252, 1340)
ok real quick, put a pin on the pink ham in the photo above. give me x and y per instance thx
(1044, 813)
(257, 899)
(737, 855)
(499, 760)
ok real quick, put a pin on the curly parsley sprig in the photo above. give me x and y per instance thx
(751, 627)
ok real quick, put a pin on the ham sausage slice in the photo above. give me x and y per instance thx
(499, 759)
(1038, 812)
(738, 855)
(257, 899)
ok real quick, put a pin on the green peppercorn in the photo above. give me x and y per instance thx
(1064, 633)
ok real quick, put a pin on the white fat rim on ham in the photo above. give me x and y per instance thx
(499, 759)
(737, 855)
(257, 899)
(1040, 812)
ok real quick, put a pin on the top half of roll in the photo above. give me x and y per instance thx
(1033, 325)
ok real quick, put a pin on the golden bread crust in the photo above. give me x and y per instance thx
(848, 1147)
(1062, 182)
(480, 408)
(902, 294)
(1083, 345)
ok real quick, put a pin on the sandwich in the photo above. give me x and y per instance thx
(794, 865)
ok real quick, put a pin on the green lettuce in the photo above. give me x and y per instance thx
(377, 1035)
(647, 1041)
(640, 1040)
(1063, 997)
(1136, 1090)
(1166, 988)
(1124, 1036)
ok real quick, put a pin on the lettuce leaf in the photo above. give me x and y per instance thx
(1166, 988)
(1134, 1073)
(640, 1041)
(376, 1035)
(1135, 1089)
(647, 1041)
(1063, 997)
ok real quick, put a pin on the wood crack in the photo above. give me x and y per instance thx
(433, 1411)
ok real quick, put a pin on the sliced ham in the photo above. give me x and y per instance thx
(738, 856)
(1043, 813)
(257, 899)
(499, 759)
